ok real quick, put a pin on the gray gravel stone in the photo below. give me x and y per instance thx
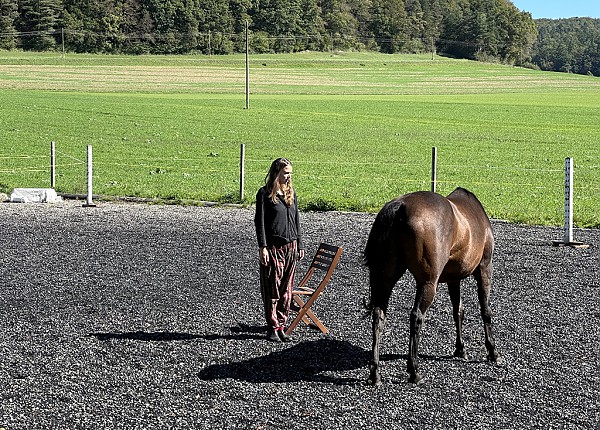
(138, 316)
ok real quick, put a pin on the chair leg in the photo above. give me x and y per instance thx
(301, 304)
(307, 316)
(316, 321)
(293, 325)
(299, 316)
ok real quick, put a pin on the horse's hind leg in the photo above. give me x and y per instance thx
(381, 290)
(423, 299)
(483, 276)
(378, 324)
(458, 315)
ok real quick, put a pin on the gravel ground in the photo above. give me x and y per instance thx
(130, 316)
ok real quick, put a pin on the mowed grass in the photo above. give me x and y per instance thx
(359, 128)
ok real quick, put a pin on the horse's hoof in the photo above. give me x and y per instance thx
(416, 379)
(460, 354)
(374, 380)
(493, 357)
(374, 383)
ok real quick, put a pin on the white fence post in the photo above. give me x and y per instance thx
(568, 232)
(88, 202)
(242, 170)
(53, 165)
(568, 228)
(433, 169)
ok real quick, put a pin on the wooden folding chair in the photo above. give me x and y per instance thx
(304, 296)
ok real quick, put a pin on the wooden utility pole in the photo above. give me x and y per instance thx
(247, 71)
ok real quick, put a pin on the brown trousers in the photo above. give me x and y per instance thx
(277, 282)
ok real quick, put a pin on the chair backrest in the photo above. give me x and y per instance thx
(325, 257)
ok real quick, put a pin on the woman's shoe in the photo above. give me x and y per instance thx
(283, 337)
(272, 336)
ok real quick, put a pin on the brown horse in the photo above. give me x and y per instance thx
(437, 239)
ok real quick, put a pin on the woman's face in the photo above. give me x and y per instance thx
(285, 175)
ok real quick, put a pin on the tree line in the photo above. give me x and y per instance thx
(491, 30)
(568, 45)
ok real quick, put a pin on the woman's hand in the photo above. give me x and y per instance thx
(301, 254)
(264, 256)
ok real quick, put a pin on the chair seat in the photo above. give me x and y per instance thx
(304, 291)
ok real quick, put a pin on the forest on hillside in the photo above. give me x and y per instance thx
(486, 30)
(568, 45)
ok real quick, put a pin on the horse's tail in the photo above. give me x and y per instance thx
(380, 232)
(377, 247)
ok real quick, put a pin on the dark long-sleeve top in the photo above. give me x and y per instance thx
(276, 223)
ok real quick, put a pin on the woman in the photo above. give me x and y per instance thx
(277, 223)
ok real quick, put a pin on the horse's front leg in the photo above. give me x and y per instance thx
(423, 299)
(458, 315)
(378, 323)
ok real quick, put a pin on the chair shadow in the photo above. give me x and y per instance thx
(307, 361)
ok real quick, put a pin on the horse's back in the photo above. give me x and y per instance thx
(429, 233)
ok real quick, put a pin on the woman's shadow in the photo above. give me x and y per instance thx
(239, 332)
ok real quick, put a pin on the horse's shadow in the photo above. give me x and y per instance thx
(310, 361)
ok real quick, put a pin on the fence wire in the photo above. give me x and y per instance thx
(173, 165)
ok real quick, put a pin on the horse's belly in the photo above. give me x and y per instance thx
(456, 270)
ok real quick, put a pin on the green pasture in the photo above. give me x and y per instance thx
(359, 128)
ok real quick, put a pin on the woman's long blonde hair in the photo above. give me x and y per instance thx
(273, 185)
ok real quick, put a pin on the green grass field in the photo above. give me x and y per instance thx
(359, 128)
